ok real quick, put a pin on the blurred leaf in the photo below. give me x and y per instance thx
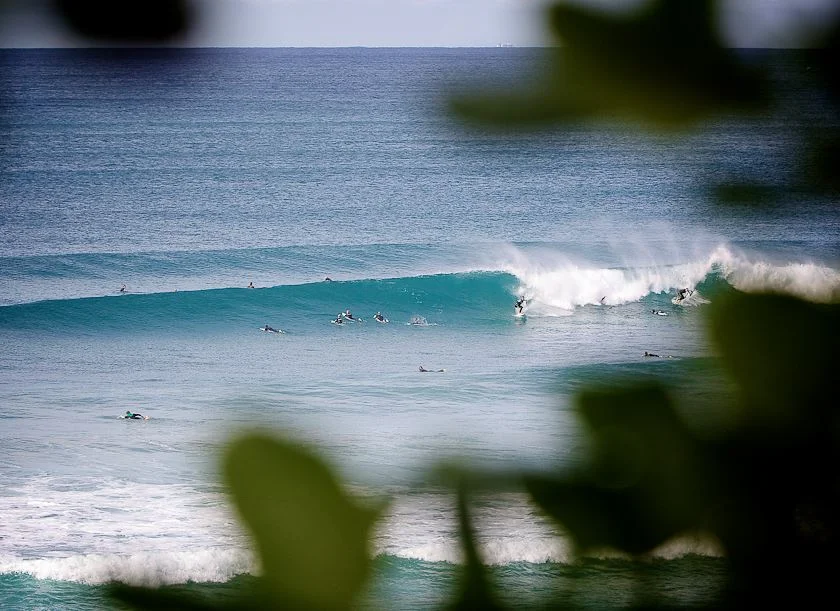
(747, 194)
(126, 21)
(778, 465)
(474, 589)
(541, 106)
(781, 352)
(663, 65)
(645, 482)
(828, 59)
(312, 538)
(822, 162)
(167, 600)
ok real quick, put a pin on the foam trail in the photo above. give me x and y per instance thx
(144, 569)
(508, 530)
(496, 552)
(500, 551)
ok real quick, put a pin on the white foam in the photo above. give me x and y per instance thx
(555, 284)
(508, 530)
(808, 281)
(95, 531)
(146, 569)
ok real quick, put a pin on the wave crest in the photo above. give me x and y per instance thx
(556, 285)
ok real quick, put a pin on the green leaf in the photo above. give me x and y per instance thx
(167, 599)
(475, 591)
(129, 20)
(662, 65)
(312, 537)
(781, 352)
(646, 480)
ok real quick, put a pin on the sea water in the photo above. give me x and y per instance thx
(334, 180)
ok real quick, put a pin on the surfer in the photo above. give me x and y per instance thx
(519, 306)
(132, 416)
(602, 300)
(379, 318)
(270, 329)
(339, 320)
(348, 315)
(424, 370)
(327, 279)
(251, 285)
(122, 289)
(683, 293)
(651, 354)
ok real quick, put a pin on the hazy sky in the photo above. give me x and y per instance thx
(395, 23)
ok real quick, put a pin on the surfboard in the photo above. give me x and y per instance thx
(678, 300)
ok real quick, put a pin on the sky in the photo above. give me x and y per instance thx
(410, 23)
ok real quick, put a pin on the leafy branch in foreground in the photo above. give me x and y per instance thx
(663, 66)
(766, 487)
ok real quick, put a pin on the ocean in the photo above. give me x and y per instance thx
(333, 179)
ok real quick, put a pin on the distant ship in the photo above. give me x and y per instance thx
(504, 44)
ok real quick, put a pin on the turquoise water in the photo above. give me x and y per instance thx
(185, 176)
